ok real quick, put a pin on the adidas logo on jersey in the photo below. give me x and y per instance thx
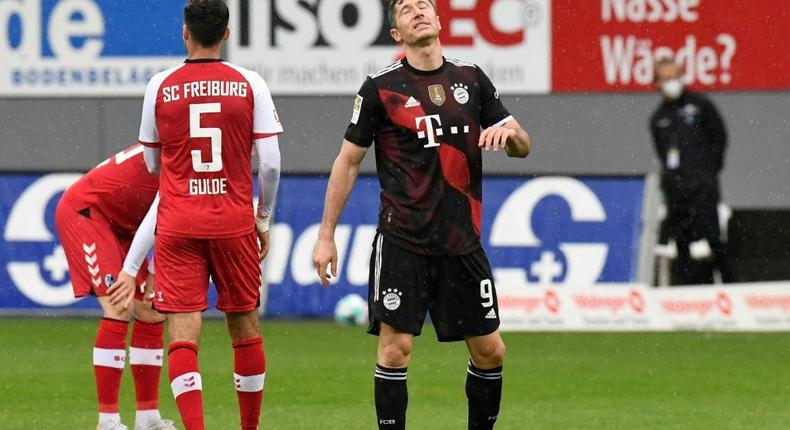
(491, 315)
(411, 102)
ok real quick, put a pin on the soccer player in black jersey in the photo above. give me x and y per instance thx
(425, 114)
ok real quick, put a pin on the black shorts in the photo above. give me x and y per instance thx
(458, 290)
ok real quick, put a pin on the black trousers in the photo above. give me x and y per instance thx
(689, 221)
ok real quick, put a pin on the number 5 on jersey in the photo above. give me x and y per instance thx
(214, 133)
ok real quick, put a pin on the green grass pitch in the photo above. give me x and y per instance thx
(319, 376)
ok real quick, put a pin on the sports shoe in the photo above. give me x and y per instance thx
(111, 425)
(158, 425)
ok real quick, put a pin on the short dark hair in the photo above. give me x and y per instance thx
(206, 20)
(391, 10)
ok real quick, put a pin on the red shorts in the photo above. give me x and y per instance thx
(183, 267)
(93, 250)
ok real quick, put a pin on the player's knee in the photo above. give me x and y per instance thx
(115, 312)
(145, 314)
(118, 313)
(184, 327)
(498, 354)
(243, 325)
(395, 354)
(490, 356)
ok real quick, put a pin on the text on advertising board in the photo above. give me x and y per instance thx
(85, 47)
(329, 46)
(722, 44)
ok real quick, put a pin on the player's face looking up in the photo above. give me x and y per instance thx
(414, 22)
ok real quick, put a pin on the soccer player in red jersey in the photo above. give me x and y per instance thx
(199, 124)
(429, 117)
(96, 220)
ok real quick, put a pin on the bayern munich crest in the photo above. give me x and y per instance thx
(392, 298)
(460, 93)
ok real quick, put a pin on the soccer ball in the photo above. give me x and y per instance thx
(351, 309)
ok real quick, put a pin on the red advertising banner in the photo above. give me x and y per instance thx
(611, 45)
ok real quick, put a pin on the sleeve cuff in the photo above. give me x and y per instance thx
(133, 271)
(150, 144)
(264, 134)
(258, 136)
(352, 138)
(503, 121)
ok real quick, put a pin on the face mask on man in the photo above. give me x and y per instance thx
(672, 88)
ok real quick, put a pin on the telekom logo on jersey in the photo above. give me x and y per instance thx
(433, 129)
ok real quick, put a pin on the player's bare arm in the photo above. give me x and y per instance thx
(509, 136)
(341, 181)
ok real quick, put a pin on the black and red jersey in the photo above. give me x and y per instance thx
(426, 126)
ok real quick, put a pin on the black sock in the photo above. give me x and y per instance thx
(484, 391)
(391, 398)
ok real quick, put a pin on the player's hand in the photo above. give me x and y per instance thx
(325, 257)
(494, 138)
(122, 291)
(264, 240)
(148, 292)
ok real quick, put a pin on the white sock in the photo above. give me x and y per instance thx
(147, 417)
(105, 417)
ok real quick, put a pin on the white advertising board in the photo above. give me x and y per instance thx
(633, 307)
(328, 46)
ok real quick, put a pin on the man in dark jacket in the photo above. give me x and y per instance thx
(690, 139)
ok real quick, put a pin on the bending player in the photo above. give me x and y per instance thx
(96, 220)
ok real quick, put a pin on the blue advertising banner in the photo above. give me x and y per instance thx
(536, 231)
(542, 230)
(33, 268)
(86, 47)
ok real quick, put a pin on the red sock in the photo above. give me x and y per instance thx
(145, 358)
(185, 381)
(249, 372)
(109, 355)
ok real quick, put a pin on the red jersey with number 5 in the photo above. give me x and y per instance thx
(205, 115)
